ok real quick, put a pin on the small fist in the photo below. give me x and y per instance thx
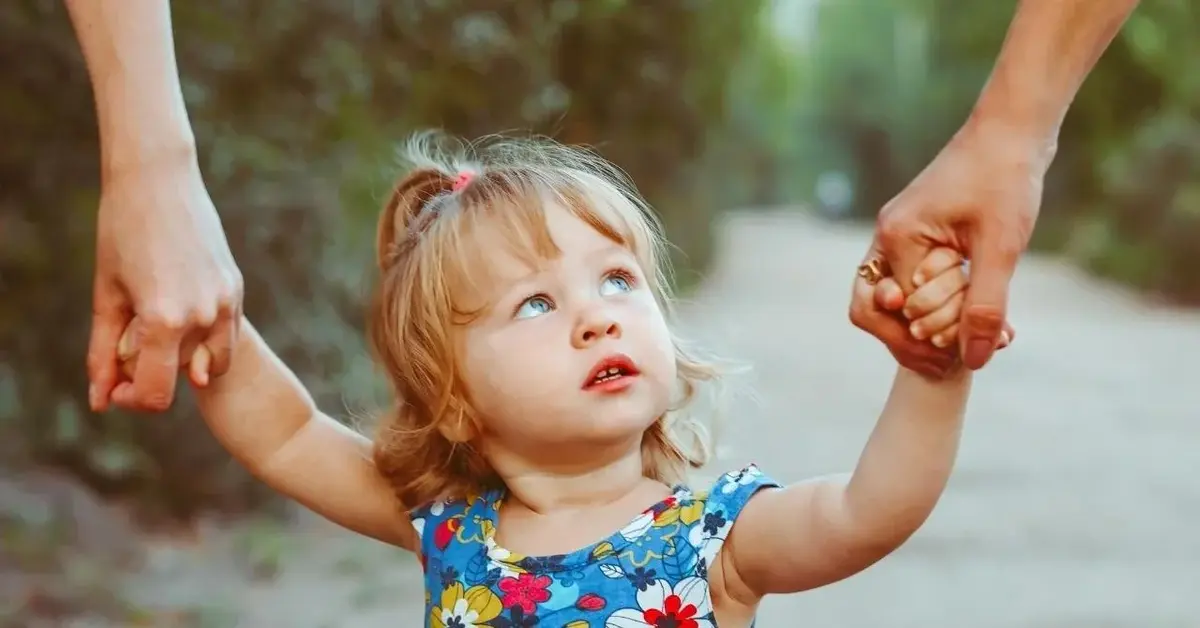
(935, 306)
(198, 365)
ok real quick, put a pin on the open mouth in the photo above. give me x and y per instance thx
(611, 370)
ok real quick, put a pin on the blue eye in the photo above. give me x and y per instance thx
(615, 283)
(534, 306)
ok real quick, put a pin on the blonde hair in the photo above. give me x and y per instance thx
(428, 257)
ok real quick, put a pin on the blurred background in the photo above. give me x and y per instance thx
(767, 133)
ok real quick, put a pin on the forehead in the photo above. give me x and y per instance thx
(503, 244)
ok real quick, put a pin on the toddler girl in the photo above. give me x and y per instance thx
(536, 453)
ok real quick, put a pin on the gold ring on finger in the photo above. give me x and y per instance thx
(873, 270)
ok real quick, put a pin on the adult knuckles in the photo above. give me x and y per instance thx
(228, 302)
(892, 224)
(175, 318)
(230, 291)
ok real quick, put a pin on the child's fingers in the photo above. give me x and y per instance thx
(935, 293)
(937, 262)
(949, 336)
(889, 296)
(199, 366)
(127, 350)
(938, 321)
(946, 337)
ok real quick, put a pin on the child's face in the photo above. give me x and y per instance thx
(529, 360)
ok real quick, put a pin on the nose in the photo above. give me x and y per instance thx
(593, 327)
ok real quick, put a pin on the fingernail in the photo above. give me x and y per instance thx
(1005, 340)
(918, 279)
(916, 331)
(939, 342)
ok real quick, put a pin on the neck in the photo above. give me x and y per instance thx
(584, 482)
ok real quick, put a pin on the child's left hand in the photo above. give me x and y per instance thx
(935, 307)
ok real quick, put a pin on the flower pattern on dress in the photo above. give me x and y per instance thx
(653, 572)
(686, 605)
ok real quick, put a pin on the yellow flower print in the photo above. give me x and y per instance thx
(479, 533)
(472, 608)
(667, 517)
(691, 513)
(602, 550)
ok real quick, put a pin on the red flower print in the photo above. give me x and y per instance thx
(673, 614)
(660, 605)
(444, 532)
(590, 602)
(526, 591)
(659, 509)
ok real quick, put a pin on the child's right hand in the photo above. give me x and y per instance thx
(197, 365)
(935, 307)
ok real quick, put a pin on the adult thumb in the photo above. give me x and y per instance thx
(994, 257)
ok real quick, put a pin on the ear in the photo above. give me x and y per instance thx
(458, 428)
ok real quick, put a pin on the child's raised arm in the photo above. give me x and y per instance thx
(821, 531)
(261, 413)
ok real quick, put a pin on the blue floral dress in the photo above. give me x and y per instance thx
(650, 574)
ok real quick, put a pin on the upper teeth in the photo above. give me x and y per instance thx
(612, 372)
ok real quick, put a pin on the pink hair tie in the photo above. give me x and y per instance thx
(462, 180)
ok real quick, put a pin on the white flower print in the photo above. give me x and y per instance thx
(738, 479)
(638, 527)
(686, 605)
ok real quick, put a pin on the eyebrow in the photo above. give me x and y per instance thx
(502, 289)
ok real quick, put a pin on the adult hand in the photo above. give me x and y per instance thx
(162, 256)
(981, 196)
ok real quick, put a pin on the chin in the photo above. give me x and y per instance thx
(618, 424)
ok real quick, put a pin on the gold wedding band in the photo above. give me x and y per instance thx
(873, 270)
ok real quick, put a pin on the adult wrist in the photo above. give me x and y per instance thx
(1012, 136)
(137, 153)
(143, 123)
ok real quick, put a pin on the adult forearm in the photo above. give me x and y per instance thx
(130, 54)
(1050, 48)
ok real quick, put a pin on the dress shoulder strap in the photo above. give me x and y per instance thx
(724, 502)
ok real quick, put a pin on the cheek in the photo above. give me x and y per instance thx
(478, 353)
(658, 335)
(499, 367)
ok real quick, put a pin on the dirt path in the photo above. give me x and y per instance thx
(1074, 502)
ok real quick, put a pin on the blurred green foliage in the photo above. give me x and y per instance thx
(886, 83)
(707, 104)
(297, 107)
